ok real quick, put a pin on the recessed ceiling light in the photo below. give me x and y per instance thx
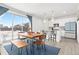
(52, 20)
(78, 7)
(44, 21)
(64, 12)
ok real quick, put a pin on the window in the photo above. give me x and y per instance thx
(19, 23)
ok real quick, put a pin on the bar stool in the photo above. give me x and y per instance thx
(53, 37)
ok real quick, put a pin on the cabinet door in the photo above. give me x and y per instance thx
(67, 26)
(73, 26)
(70, 26)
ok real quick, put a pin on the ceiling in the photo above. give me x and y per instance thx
(47, 10)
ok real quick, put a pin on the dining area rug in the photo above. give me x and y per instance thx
(32, 51)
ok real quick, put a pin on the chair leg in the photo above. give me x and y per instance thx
(11, 46)
(44, 47)
(27, 41)
(21, 50)
(18, 51)
(32, 49)
(26, 50)
(53, 39)
(37, 47)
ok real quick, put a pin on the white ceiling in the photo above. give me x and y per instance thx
(46, 10)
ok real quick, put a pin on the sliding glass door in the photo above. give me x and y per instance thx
(20, 24)
(5, 26)
(11, 24)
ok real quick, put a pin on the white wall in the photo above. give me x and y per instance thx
(38, 24)
(78, 31)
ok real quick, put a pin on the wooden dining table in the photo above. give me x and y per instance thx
(27, 35)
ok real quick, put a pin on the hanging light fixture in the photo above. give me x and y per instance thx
(44, 21)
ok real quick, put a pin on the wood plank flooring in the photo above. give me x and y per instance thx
(68, 46)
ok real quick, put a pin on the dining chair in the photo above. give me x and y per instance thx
(21, 38)
(20, 45)
(40, 45)
(40, 42)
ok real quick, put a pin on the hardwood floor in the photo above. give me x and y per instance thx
(68, 46)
